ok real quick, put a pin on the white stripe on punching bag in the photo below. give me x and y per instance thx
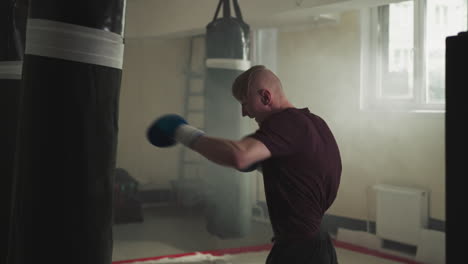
(231, 64)
(11, 69)
(73, 42)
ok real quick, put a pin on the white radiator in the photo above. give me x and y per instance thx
(401, 213)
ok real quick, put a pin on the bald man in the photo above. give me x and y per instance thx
(296, 152)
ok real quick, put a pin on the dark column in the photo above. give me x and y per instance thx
(13, 15)
(68, 132)
(456, 144)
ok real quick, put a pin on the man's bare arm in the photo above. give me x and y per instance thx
(236, 154)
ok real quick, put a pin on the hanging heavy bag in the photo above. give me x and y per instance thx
(13, 14)
(227, 55)
(67, 132)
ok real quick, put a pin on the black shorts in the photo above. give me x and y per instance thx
(319, 250)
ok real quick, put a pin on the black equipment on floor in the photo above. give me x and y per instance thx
(127, 208)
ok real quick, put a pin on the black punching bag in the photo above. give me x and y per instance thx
(67, 132)
(227, 56)
(456, 84)
(13, 14)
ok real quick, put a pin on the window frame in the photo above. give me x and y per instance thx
(371, 67)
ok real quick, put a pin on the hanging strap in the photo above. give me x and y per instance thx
(217, 10)
(237, 10)
(227, 9)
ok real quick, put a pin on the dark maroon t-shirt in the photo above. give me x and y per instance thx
(302, 176)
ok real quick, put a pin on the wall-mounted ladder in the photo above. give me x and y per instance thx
(189, 186)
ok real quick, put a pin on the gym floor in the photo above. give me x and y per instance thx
(168, 230)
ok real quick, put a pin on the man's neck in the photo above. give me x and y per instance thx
(285, 104)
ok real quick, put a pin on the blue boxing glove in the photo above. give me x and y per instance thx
(169, 129)
(161, 132)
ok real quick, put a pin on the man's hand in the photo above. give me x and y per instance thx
(169, 129)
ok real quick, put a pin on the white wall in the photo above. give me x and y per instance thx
(319, 67)
(153, 84)
(161, 18)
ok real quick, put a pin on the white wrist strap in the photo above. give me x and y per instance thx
(187, 135)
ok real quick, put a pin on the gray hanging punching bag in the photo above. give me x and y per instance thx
(67, 132)
(13, 14)
(227, 56)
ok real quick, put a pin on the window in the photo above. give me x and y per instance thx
(403, 53)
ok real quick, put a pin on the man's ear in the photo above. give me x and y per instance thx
(265, 96)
